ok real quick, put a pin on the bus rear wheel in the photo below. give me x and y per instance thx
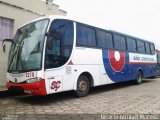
(82, 86)
(139, 78)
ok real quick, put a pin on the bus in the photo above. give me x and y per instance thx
(54, 54)
(158, 62)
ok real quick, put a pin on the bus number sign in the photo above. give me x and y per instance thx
(30, 74)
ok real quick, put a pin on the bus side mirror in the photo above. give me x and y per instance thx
(3, 44)
(4, 48)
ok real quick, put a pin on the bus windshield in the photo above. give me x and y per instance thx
(26, 53)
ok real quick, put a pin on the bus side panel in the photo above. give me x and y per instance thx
(123, 66)
(87, 59)
(72, 72)
(90, 60)
(116, 64)
(145, 63)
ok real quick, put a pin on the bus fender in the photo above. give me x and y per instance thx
(139, 69)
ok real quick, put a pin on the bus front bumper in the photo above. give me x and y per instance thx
(36, 88)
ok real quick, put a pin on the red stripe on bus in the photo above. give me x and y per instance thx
(142, 63)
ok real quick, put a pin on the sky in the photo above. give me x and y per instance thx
(139, 18)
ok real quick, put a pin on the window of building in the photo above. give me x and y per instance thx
(131, 45)
(86, 36)
(140, 46)
(119, 42)
(6, 28)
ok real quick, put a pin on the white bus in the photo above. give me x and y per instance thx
(54, 54)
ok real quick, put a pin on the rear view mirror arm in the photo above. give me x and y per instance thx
(9, 40)
(3, 45)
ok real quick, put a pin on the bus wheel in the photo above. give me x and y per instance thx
(139, 78)
(82, 86)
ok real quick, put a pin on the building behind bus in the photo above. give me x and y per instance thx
(13, 14)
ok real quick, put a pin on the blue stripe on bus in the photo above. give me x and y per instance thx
(129, 71)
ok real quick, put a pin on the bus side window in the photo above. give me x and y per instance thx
(152, 48)
(49, 44)
(109, 40)
(131, 45)
(147, 48)
(101, 42)
(104, 39)
(119, 42)
(140, 46)
(59, 43)
(86, 36)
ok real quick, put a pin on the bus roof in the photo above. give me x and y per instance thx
(126, 35)
(52, 17)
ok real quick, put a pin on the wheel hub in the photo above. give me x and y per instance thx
(82, 86)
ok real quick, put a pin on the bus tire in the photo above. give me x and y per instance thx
(139, 78)
(82, 86)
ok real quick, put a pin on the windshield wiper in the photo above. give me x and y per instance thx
(19, 59)
(16, 51)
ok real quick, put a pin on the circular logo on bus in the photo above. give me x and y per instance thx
(117, 60)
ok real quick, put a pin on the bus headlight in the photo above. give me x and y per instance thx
(32, 80)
